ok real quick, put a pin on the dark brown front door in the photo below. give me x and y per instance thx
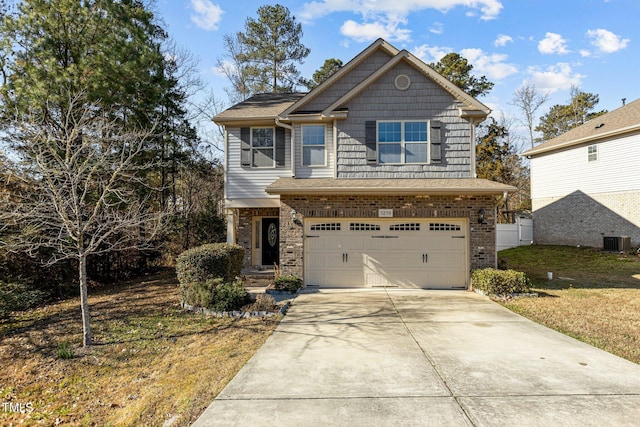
(270, 241)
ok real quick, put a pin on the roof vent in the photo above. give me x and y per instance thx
(599, 126)
(402, 82)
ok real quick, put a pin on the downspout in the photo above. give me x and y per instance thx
(335, 148)
(473, 147)
(293, 143)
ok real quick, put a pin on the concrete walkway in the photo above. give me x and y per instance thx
(415, 357)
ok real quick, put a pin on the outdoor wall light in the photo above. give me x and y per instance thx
(294, 217)
(481, 216)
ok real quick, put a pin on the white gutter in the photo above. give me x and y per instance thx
(293, 143)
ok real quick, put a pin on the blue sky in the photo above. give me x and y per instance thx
(592, 44)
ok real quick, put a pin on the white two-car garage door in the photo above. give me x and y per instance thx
(425, 253)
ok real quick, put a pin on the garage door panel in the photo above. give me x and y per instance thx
(418, 253)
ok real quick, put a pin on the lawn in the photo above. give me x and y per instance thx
(152, 361)
(593, 296)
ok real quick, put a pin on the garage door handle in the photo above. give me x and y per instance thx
(345, 257)
(425, 258)
(457, 237)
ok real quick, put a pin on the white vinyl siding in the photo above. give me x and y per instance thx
(564, 172)
(249, 183)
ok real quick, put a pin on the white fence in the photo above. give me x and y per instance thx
(512, 235)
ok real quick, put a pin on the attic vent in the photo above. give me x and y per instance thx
(598, 126)
(402, 82)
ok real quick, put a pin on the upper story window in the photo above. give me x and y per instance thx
(313, 145)
(592, 153)
(403, 142)
(262, 148)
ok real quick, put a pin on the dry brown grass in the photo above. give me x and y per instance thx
(596, 301)
(151, 362)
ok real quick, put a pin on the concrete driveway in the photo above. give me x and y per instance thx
(416, 357)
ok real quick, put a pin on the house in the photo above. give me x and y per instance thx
(367, 180)
(585, 186)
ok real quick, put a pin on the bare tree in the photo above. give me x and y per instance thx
(87, 193)
(528, 100)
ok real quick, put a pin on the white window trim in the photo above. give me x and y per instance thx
(403, 142)
(589, 153)
(324, 146)
(273, 158)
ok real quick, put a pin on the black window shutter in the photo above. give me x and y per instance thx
(280, 147)
(245, 147)
(436, 141)
(370, 140)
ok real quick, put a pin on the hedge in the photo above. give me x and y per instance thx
(500, 282)
(289, 283)
(19, 297)
(211, 261)
(215, 295)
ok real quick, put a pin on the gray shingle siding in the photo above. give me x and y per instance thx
(423, 100)
(348, 82)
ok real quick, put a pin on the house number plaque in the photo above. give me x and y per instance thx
(385, 213)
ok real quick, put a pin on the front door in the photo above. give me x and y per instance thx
(270, 241)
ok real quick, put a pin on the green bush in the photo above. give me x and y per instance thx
(18, 297)
(288, 283)
(212, 261)
(215, 295)
(500, 282)
(64, 351)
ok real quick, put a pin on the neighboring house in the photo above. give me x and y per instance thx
(367, 180)
(585, 183)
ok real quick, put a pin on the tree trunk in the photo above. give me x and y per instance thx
(84, 301)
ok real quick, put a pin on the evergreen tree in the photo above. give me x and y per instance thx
(263, 58)
(329, 67)
(562, 118)
(457, 70)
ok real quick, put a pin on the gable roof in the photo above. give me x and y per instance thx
(470, 106)
(620, 121)
(261, 106)
(279, 106)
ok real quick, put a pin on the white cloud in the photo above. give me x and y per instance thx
(502, 40)
(553, 43)
(370, 31)
(313, 10)
(606, 41)
(555, 77)
(207, 15)
(585, 53)
(430, 54)
(386, 18)
(437, 28)
(493, 66)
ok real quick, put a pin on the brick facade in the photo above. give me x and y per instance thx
(583, 219)
(482, 243)
(245, 229)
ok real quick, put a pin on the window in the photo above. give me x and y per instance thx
(262, 148)
(329, 226)
(403, 142)
(592, 153)
(313, 145)
(357, 226)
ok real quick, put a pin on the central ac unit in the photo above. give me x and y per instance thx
(616, 244)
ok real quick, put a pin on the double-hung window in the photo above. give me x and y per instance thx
(402, 142)
(592, 153)
(262, 147)
(313, 145)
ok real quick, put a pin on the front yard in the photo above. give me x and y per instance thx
(593, 296)
(152, 361)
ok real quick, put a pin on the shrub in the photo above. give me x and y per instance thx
(263, 302)
(215, 295)
(18, 297)
(212, 261)
(500, 282)
(64, 351)
(288, 283)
